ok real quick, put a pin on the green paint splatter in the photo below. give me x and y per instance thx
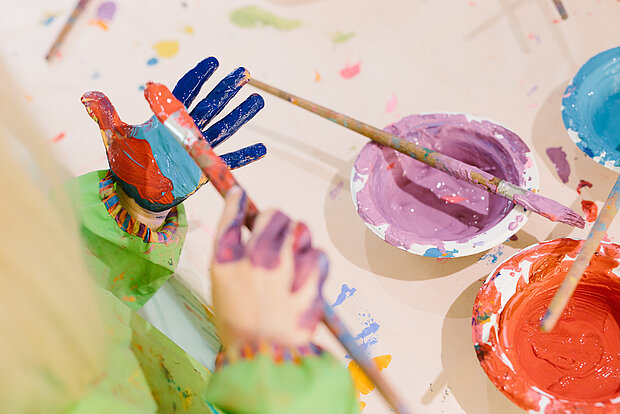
(251, 16)
(339, 37)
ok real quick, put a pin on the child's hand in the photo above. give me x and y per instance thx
(146, 160)
(267, 289)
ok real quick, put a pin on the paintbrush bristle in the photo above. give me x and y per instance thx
(550, 209)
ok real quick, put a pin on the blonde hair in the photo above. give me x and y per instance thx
(51, 331)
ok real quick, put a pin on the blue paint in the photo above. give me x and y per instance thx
(216, 100)
(591, 105)
(48, 20)
(141, 88)
(345, 292)
(171, 158)
(152, 61)
(492, 256)
(435, 252)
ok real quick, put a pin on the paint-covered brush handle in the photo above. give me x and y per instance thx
(548, 208)
(579, 266)
(171, 112)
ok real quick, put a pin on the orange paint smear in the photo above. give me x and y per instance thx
(99, 23)
(590, 209)
(361, 381)
(578, 360)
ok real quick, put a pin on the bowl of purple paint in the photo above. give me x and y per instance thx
(427, 212)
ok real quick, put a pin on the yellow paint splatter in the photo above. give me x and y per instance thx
(361, 381)
(362, 405)
(166, 48)
(129, 298)
(317, 76)
(189, 30)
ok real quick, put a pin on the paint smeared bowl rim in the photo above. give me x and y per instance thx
(579, 133)
(496, 235)
(485, 322)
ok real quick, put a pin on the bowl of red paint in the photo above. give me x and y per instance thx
(575, 367)
(425, 211)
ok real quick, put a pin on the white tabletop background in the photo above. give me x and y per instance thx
(508, 60)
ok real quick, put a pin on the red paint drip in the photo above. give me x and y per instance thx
(58, 137)
(350, 71)
(453, 199)
(590, 209)
(583, 183)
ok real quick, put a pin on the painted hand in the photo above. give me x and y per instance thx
(147, 161)
(267, 289)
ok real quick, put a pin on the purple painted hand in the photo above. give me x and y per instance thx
(267, 289)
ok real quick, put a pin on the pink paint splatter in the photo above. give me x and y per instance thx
(334, 193)
(58, 137)
(453, 199)
(391, 104)
(513, 226)
(350, 71)
(583, 183)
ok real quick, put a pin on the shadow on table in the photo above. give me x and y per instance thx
(360, 246)
(462, 375)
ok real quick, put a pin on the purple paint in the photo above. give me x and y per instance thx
(551, 209)
(265, 251)
(558, 158)
(106, 11)
(414, 199)
(334, 193)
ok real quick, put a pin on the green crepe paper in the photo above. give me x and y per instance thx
(146, 372)
(318, 384)
(121, 263)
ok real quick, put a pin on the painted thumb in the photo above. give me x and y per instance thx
(103, 113)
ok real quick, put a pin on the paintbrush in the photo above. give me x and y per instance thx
(571, 280)
(544, 206)
(561, 9)
(173, 115)
(79, 8)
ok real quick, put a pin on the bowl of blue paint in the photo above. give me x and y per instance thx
(427, 212)
(591, 108)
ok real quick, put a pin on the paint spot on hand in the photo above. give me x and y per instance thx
(350, 71)
(453, 199)
(583, 183)
(334, 193)
(339, 37)
(252, 17)
(361, 381)
(558, 158)
(345, 292)
(590, 209)
(59, 137)
(166, 48)
(390, 105)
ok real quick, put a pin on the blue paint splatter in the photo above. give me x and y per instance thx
(435, 252)
(368, 336)
(492, 256)
(96, 75)
(141, 87)
(48, 20)
(152, 61)
(345, 292)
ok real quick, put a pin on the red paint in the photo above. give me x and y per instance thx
(453, 199)
(590, 209)
(162, 102)
(350, 71)
(59, 137)
(583, 183)
(578, 363)
(132, 161)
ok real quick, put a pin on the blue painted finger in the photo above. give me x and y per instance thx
(244, 156)
(225, 127)
(216, 100)
(188, 87)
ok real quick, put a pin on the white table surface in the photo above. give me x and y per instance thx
(508, 60)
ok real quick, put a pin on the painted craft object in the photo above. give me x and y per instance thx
(149, 164)
(590, 108)
(424, 211)
(173, 115)
(77, 11)
(576, 367)
(546, 207)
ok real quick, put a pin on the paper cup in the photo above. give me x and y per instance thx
(427, 212)
(591, 108)
(574, 368)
